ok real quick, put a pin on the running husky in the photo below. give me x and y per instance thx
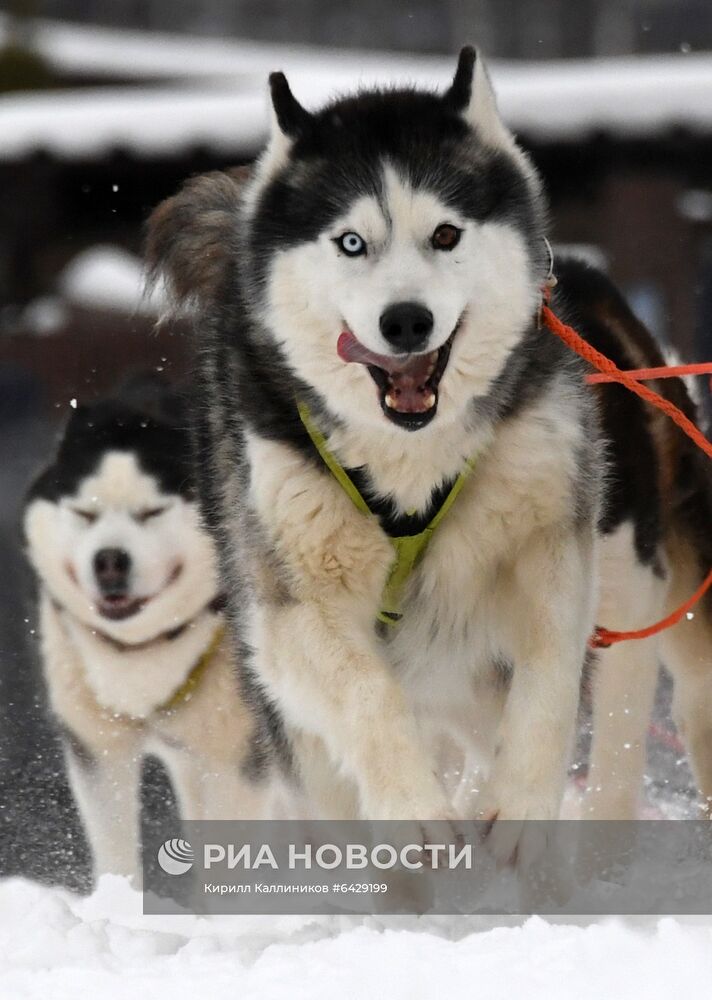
(413, 479)
(134, 651)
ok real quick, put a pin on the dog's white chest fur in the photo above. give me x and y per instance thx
(130, 683)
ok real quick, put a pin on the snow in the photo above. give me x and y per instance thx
(107, 277)
(59, 946)
(212, 93)
(146, 122)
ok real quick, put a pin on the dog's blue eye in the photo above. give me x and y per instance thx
(446, 237)
(352, 244)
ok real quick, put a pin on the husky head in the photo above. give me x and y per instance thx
(112, 527)
(393, 246)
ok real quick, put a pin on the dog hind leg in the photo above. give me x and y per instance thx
(624, 681)
(624, 690)
(687, 652)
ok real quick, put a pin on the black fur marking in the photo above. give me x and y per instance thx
(632, 492)
(268, 741)
(693, 509)
(161, 448)
(340, 157)
(503, 670)
(394, 522)
(231, 367)
(588, 677)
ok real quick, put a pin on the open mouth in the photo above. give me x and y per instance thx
(116, 607)
(408, 383)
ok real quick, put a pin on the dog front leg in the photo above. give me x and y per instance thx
(216, 790)
(328, 677)
(550, 620)
(106, 789)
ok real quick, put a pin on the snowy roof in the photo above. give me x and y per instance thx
(219, 102)
(108, 277)
(84, 50)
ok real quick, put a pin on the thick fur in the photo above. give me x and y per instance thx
(113, 683)
(497, 615)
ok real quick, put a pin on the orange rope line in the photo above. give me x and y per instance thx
(610, 372)
(604, 637)
(642, 374)
(605, 365)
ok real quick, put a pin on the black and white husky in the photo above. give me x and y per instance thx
(372, 367)
(133, 646)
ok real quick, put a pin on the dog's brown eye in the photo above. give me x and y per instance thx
(446, 237)
(86, 515)
(146, 515)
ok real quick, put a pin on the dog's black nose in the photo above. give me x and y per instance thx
(407, 326)
(111, 568)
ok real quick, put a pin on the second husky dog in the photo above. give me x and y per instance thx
(410, 474)
(134, 649)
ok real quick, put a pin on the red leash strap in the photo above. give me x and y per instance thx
(610, 372)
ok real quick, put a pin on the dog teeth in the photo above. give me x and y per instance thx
(428, 399)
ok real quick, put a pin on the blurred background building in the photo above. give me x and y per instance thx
(508, 29)
(106, 106)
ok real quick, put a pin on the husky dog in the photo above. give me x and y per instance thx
(134, 652)
(411, 484)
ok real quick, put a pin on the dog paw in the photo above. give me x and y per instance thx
(440, 838)
(520, 833)
(421, 806)
(513, 830)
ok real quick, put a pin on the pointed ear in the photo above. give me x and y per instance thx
(471, 95)
(289, 116)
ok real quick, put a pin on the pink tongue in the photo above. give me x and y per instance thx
(407, 375)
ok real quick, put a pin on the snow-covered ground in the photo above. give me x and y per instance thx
(56, 946)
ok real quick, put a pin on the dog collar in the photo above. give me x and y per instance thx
(184, 692)
(409, 549)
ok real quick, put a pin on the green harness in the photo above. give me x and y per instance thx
(409, 549)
